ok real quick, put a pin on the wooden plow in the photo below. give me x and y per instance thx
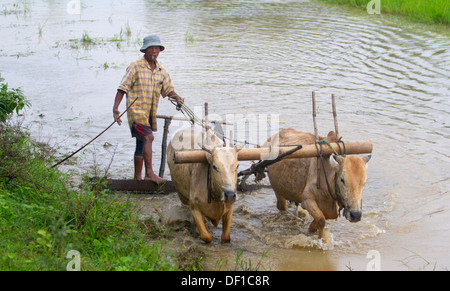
(144, 186)
(265, 156)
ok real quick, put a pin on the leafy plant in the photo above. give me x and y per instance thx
(10, 101)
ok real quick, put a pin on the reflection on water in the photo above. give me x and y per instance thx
(391, 79)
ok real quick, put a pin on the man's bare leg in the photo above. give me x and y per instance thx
(148, 156)
(138, 164)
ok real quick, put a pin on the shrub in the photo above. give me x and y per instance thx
(10, 101)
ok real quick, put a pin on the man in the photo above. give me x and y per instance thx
(143, 83)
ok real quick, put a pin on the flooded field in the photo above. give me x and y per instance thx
(252, 59)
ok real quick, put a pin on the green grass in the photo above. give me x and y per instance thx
(423, 11)
(43, 217)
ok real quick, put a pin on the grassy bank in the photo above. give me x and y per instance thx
(423, 11)
(48, 224)
(42, 218)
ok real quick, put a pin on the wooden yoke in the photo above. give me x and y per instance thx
(308, 151)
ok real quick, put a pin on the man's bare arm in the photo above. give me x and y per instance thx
(116, 112)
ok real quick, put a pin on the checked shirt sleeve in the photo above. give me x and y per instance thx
(167, 85)
(128, 79)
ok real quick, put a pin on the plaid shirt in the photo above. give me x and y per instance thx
(146, 85)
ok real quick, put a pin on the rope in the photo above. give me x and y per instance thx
(320, 153)
(194, 119)
(329, 145)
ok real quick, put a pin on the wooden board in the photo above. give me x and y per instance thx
(142, 186)
(147, 187)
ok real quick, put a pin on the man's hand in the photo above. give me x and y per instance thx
(116, 114)
(117, 100)
(178, 99)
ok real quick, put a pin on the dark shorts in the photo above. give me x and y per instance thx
(139, 131)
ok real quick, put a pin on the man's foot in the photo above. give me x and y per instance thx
(138, 164)
(156, 179)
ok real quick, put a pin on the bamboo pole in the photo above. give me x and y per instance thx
(336, 127)
(308, 151)
(185, 119)
(316, 133)
(314, 113)
(207, 123)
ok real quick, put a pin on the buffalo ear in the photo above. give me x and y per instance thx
(209, 151)
(331, 137)
(239, 147)
(206, 148)
(366, 159)
(336, 161)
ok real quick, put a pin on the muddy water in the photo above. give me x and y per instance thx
(255, 58)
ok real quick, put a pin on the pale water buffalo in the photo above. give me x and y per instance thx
(208, 188)
(296, 180)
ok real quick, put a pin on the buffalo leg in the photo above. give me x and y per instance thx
(281, 203)
(318, 223)
(200, 223)
(226, 226)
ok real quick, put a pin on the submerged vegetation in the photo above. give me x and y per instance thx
(87, 41)
(18, 8)
(423, 11)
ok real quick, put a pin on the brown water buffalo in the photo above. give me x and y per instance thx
(209, 189)
(296, 180)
